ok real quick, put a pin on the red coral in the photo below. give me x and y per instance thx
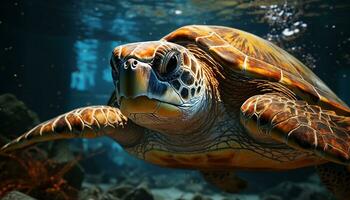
(31, 172)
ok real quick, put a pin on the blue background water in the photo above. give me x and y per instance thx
(55, 54)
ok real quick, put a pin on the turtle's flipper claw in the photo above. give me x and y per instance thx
(87, 122)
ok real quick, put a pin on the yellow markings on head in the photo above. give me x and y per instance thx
(140, 50)
(138, 105)
(171, 96)
(168, 110)
(146, 50)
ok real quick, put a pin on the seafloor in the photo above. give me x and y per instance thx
(60, 170)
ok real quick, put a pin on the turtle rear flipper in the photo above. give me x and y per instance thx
(225, 180)
(299, 125)
(87, 122)
(336, 178)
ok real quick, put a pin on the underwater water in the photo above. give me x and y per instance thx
(55, 56)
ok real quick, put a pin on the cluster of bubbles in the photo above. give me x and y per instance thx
(283, 20)
(295, 30)
(285, 28)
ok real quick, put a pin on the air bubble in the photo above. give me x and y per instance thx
(178, 12)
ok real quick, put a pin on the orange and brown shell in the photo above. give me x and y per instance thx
(257, 58)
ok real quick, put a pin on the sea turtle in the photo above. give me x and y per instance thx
(215, 99)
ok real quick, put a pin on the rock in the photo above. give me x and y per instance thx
(120, 191)
(314, 178)
(123, 192)
(139, 194)
(271, 197)
(188, 181)
(102, 160)
(194, 187)
(107, 196)
(15, 116)
(93, 192)
(296, 191)
(200, 197)
(15, 195)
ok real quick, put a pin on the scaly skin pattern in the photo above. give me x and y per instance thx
(87, 122)
(226, 146)
(298, 124)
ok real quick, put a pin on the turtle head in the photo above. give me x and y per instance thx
(157, 84)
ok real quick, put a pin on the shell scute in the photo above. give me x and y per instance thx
(211, 40)
(260, 69)
(251, 55)
(185, 34)
(300, 87)
(229, 57)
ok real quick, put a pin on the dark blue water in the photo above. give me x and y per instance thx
(55, 54)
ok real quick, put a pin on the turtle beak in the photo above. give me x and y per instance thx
(138, 79)
(134, 79)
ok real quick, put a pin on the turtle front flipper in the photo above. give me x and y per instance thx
(299, 125)
(225, 180)
(87, 122)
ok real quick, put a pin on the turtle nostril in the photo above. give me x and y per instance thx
(134, 64)
(125, 65)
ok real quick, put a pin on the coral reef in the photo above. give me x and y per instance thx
(123, 192)
(311, 189)
(31, 172)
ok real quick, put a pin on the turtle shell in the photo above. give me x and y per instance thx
(257, 58)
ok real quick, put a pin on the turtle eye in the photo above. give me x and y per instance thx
(170, 63)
